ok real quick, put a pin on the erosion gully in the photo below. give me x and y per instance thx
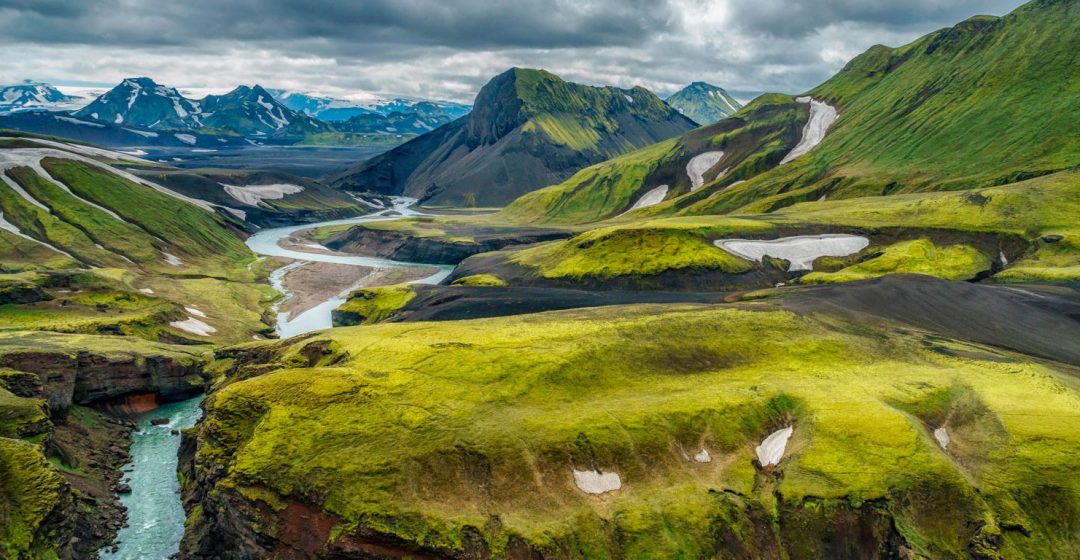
(156, 517)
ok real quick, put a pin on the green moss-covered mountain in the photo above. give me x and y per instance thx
(988, 102)
(704, 103)
(528, 128)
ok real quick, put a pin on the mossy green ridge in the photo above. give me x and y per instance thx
(610, 252)
(753, 140)
(921, 256)
(195, 234)
(990, 101)
(461, 438)
(984, 103)
(21, 417)
(372, 305)
(1038, 215)
(480, 280)
(34, 500)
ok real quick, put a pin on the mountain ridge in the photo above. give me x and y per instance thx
(527, 127)
(704, 102)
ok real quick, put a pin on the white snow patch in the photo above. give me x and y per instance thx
(185, 138)
(703, 456)
(771, 450)
(135, 152)
(143, 133)
(172, 259)
(119, 118)
(942, 437)
(147, 291)
(195, 311)
(596, 482)
(801, 250)
(80, 122)
(651, 198)
(88, 151)
(252, 195)
(1004, 260)
(699, 165)
(822, 116)
(193, 326)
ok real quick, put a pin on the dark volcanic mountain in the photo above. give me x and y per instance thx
(528, 129)
(141, 102)
(704, 103)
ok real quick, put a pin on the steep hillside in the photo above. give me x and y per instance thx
(684, 169)
(704, 103)
(528, 128)
(987, 102)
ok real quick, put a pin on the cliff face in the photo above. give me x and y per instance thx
(85, 376)
(60, 456)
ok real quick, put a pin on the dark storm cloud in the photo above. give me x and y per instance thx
(463, 24)
(449, 48)
(799, 18)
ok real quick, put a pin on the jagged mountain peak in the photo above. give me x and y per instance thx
(703, 102)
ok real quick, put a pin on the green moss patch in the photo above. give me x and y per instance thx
(612, 252)
(371, 305)
(417, 431)
(921, 256)
(480, 280)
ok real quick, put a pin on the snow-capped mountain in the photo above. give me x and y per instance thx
(30, 95)
(332, 109)
(143, 103)
(253, 110)
(704, 103)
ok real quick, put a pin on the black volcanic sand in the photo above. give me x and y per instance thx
(450, 303)
(1039, 321)
(1035, 320)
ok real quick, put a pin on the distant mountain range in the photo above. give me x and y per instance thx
(29, 95)
(332, 109)
(528, 128)
(704, 103)
(138, 108)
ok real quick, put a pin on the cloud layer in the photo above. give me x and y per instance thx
(449, 48)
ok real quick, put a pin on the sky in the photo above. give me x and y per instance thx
(447, 49)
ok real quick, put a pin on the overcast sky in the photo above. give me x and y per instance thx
(447, 49)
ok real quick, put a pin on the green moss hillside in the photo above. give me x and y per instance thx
(461, 438)
(988, 102)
